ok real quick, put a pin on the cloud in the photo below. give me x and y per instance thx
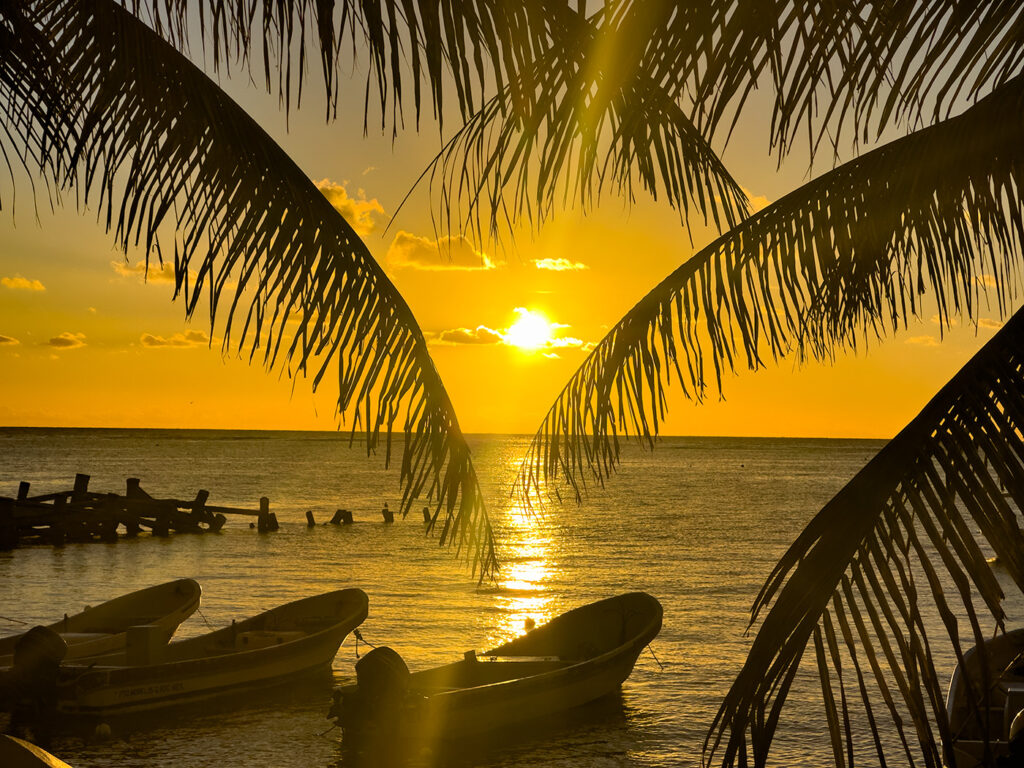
(987, 280)
(448, 253)
(559, 265)
(21, 284)
(989, 323)
(369, 169)
(177, 341)
(923, 341)
(359, 212)
(508, 336)
(8, 341)
(479, 335)
(157, 272)
(757, 202)
(950, 321)
(67, 340)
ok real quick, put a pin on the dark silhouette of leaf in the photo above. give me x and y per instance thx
(895, 545)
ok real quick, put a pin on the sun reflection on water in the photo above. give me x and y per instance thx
(528, 569)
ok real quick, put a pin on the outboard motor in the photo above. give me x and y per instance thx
(29, 689)
(375, 703)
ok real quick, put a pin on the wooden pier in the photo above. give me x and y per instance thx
(83, 515)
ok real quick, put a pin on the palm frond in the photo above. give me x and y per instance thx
(584, 116)
(31, 139)
(162, 151)
(852, 70)
(437, 49)
(892, 571)
(845, 258)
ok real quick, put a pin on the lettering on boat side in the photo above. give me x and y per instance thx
(129, 693)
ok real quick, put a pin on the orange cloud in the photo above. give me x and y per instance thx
(155, 273)
(21, 284)
(359, 212)
(177, 341)
(448, 253)
(8, 341)
(559, 265)
(67, 340)
(923, 341)
(989, 323)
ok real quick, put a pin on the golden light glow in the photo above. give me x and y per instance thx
(530, 331)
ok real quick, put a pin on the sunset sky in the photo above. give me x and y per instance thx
(84, 341)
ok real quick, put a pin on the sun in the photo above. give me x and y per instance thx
(530, 331)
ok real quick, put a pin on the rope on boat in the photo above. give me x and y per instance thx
(662, 666)
(203, 617)
(328, 730)
(359, 637)
(16, 621)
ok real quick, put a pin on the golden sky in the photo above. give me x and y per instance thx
(85, 341)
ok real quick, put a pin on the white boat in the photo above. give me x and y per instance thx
(279, 645)
(102, 630)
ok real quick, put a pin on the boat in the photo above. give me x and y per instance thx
(282, 644)
(576, 658)
(102, 630)
(986, 698)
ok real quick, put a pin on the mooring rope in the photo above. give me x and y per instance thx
(203, 617)
(16, 621)
(662, 666)
(359, 637)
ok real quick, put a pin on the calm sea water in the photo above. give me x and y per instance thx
(698, 523)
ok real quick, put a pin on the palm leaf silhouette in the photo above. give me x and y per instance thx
(845, 258)
(896, 544)
(162, 152)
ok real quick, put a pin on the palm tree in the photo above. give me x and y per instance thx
(628, 94)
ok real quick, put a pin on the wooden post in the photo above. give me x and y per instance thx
(81, 487)
(199, 511)
(310, 520)
(263, 521)
(387, 514)
(8, 526)
(217, 523)
(342, 517)
(23, 487)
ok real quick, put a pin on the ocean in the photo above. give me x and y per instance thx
(698, 523)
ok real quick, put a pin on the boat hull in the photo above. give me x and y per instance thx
(102, 630)
(214, 666)
(575, 659)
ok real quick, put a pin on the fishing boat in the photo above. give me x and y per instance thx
(574, 659)
(282, 644)
(986, 696)
(102, 630)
